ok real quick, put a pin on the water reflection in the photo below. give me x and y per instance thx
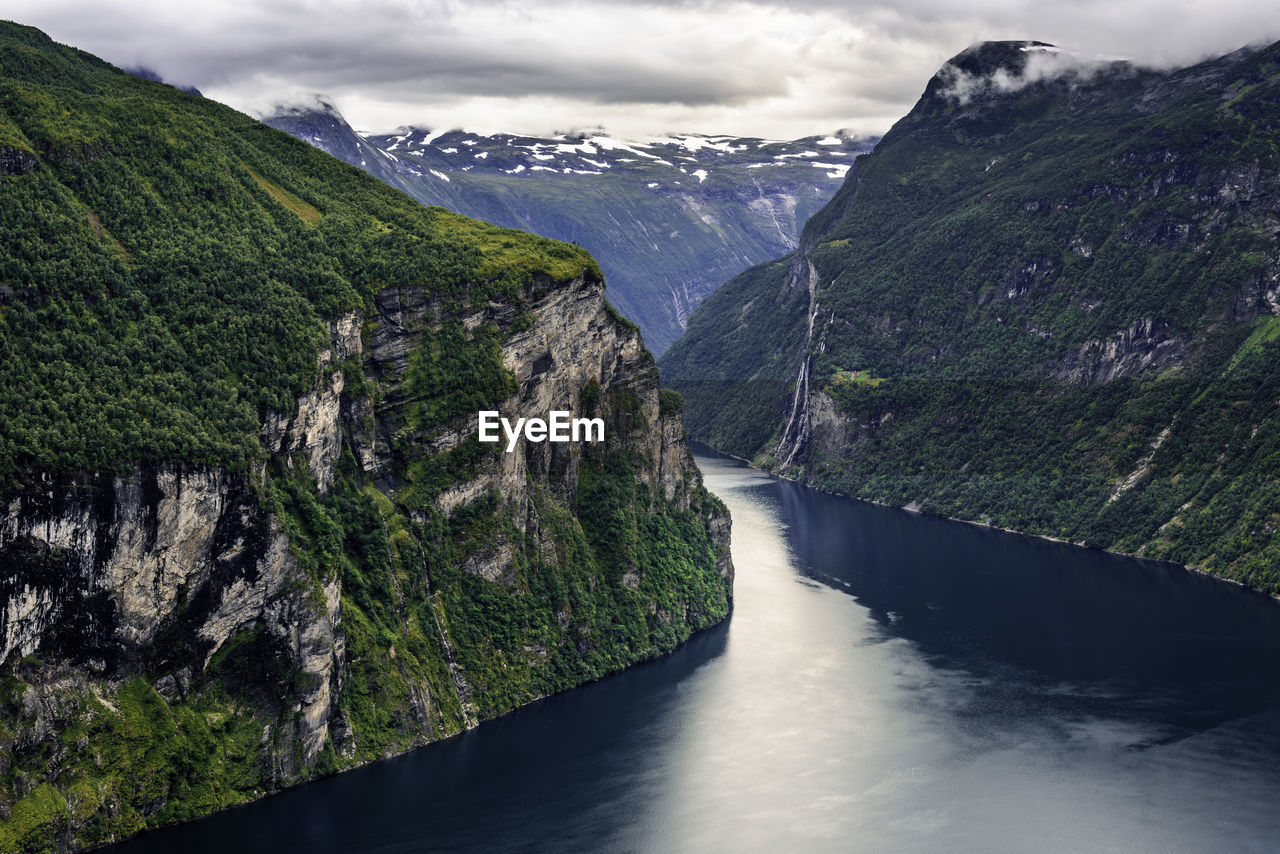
(1082, 628)
(887, 683)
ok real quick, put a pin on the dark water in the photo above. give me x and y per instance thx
(887, 683)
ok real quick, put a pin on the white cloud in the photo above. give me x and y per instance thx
(771, 69)
(1042, 63)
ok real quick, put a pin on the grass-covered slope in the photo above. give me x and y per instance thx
(291, 601)
(1068, 285)
(168, 263)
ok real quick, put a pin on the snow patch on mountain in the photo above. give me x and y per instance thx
(835, 170)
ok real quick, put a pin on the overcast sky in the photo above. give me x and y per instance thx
(767, 68)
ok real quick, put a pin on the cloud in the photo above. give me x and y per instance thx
(1040, 63)
(762, 67)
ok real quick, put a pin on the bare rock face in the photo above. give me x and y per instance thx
(573, 342)
(1260, 294)
(142, 538)
(97, 566)
(1146, 345)
(15, 161)
(316, 428)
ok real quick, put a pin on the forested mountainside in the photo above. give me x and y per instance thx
(670, 219)
(1048, 300)
(249, 535)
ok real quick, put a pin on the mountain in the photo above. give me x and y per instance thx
(145, 73)
(249, 535)
(670, 219)
(1048, 300)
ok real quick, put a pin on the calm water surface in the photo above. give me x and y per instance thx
(887, 683)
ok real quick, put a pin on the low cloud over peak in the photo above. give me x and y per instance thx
(1027, 63)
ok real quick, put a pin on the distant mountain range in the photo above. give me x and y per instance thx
(669, 218)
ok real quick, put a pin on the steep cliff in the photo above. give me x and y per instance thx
(1046, 300)
(249, 535)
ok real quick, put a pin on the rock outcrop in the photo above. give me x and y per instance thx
(1147, 345)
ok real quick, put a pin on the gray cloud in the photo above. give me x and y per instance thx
(765, 67)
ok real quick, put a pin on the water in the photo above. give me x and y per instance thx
(887, 683)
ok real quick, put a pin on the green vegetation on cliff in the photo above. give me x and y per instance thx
(1069, 291)
(228, 563)
(169, 264)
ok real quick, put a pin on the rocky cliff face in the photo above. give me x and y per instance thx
(1145, 345)
(1045, 300)
(248, 534)
(100, 566)
(142, 582)
(574, 341)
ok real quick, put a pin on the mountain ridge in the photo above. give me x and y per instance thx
(1047, 303)
(669, 218)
